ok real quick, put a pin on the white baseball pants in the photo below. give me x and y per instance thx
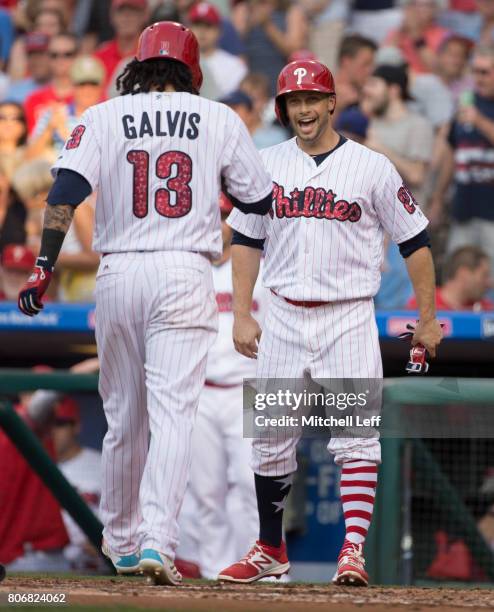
(156, 318)
(337, 340)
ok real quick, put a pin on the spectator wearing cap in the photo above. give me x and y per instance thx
(467, 280)
(129, 18)
(49, 22)
(355, 65)
(62, 50)
(469, 162)
(38, 68)
(407, 140)
(403, 136)
(262, 135)
(17, 261)
(271, 31)
(54, 126)
(430, 97)
(419, 36)
(227, 70)
(452, 65)
(229, 39)
(81, 466)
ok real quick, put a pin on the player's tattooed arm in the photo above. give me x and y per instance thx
(59, 217)
(57, 222)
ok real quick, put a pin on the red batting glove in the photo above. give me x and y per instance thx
(29, 300)
(417, 363)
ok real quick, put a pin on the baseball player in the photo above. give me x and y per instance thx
(220, 469)
(157, 155)
(333, 200)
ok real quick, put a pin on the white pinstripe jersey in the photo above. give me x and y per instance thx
(326, 227)
(157, 161)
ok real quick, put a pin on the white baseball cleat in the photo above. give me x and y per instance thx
(159, 568)
(123, 564)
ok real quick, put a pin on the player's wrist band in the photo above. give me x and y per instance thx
(51, 243)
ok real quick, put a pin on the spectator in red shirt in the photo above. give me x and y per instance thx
(467, 281)
(62, 50)
(420, 36)
(129, 18)
(32, 533)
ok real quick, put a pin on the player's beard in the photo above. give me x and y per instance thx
(319, 129)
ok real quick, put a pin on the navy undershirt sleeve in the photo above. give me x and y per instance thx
(244, 240)
(261, 207)
(69, 187)
(414, 244)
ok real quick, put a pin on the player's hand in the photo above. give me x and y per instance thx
(246, 335)
(29, 300)
(428, 333)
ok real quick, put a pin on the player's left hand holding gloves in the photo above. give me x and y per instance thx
(29, 300)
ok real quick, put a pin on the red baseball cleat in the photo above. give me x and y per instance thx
(351, 566)
(261, 561)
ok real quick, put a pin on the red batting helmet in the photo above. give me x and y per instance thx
(171, 40)
(302, 75)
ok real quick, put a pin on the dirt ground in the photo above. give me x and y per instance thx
(86, 593)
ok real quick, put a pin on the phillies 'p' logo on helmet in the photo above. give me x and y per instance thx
(302, 75)
(171, 40)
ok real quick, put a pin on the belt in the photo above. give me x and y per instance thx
(303, 303)
(210, 383)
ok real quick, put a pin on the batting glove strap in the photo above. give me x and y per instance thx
(30, 295)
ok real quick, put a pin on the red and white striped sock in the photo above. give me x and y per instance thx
(358, 491)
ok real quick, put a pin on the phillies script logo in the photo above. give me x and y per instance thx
(311, 202)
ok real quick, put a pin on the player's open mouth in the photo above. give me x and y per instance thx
(306, 125)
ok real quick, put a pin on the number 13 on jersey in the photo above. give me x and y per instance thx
(170, 163)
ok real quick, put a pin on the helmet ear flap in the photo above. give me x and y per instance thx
(281, 112)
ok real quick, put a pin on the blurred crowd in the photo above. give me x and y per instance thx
(414, 80)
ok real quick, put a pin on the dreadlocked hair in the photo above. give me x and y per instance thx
(141, 77)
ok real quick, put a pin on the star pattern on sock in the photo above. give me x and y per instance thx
(286, 482)
(281, 504)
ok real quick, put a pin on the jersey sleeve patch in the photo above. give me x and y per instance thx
(75, 138)
(405, 196)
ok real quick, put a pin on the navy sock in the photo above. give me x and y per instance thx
(272, 492)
